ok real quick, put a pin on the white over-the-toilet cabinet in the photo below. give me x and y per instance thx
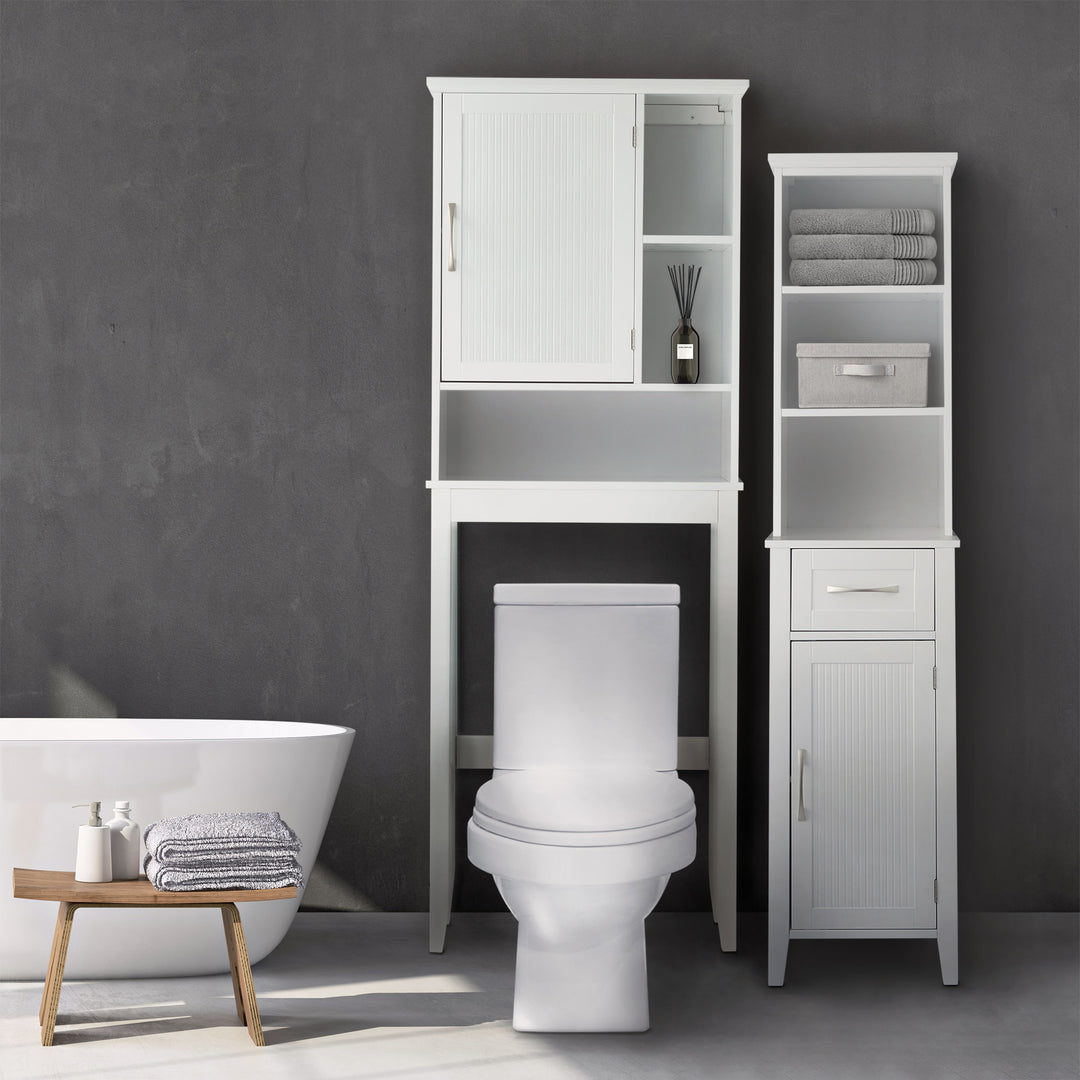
(862, 730)
(558, 206)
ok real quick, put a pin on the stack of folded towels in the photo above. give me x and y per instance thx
(862, 247)
(222, 851)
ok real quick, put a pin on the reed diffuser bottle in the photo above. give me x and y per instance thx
(685, 341)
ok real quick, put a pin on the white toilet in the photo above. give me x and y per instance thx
(584, 819)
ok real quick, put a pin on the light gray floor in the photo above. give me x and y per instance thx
(359, 996)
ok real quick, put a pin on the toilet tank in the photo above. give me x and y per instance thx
(586, 676)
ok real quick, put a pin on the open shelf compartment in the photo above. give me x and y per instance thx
(823, 316)
(688, 157)
(866, 191)
(590, 435)
(711, 316)
(844, 473)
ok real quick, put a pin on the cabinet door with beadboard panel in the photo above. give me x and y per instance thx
(538, 237)
(863, 822)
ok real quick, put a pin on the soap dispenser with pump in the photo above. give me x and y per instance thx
(93, 856)
(124, 836)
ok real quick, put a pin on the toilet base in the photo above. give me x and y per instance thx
(598, 987)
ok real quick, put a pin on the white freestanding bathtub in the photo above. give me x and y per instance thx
(165, 768)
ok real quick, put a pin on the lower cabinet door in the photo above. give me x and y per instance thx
(863, 829)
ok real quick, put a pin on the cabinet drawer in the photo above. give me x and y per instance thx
(862, 589)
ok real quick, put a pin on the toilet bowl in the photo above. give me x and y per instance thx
(584, 819)
(580, 893)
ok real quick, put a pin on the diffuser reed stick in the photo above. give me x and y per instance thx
(684, 280)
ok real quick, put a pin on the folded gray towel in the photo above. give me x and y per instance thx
(862, 272)
(168, 878)
(862, 246)
(201, 834)
(206, 860)
(903, 220)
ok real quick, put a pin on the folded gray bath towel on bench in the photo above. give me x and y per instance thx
(171, 878)
(902, 220)
(220, 834)
(862, 246)
(862, 272)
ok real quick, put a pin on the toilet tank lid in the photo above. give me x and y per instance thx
(587, 594)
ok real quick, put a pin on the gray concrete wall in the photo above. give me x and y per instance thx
(215, 364)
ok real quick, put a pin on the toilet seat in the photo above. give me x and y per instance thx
(584, 808)
(583, 827)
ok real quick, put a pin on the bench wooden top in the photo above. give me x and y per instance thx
(61, 885)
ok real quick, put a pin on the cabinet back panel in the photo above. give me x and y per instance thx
(859, 472)
(686, 188)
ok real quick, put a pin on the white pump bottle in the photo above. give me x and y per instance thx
(93, 856)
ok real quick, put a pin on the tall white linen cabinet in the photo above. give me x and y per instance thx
(558, 206)
(862, 730)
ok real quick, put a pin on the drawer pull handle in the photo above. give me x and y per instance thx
(451, 266)
(872, 370)
(802, 809)
(862, 588)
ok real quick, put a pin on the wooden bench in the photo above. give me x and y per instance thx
(61, 886)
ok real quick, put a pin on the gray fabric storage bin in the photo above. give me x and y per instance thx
(860, 375)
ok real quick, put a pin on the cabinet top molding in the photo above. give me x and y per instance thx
(731, 88)
(811, 164)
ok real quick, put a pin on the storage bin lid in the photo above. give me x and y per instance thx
(850, 349)
(590, 595)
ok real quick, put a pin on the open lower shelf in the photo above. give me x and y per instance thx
(593, 435)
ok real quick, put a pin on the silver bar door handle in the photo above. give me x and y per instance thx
(862, 588)
(801, 816)
(451, 266)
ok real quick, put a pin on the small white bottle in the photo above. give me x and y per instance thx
(124, 842)
(93, 856)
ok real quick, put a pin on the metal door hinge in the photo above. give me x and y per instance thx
(633, 136)
(935, 890)
(935, 676)
(631, 339)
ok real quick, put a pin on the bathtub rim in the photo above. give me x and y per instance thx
(284, 730)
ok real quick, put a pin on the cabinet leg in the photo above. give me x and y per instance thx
(51, 997)
(778, 949)
(947, 944)
(723, 720)
(443, 717)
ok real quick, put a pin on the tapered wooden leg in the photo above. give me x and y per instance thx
(230, 944)
(51, 996)
(235, 932)
(58, 933)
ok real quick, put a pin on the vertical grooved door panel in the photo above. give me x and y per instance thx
(541, 287)
(864, 856)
